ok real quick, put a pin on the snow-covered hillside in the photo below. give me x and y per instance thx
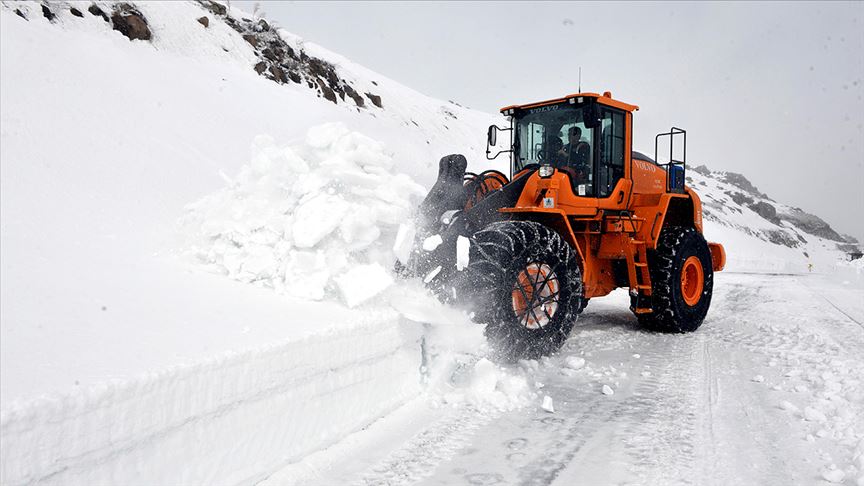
(762, 235)
(195, 246)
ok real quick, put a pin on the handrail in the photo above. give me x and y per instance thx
(672, 162)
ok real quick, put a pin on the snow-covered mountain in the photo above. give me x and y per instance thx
(129, 193)
(762, 234)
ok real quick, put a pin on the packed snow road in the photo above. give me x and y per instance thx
(768, 392)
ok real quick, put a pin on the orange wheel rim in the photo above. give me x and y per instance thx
(692, 280)
(535, 295)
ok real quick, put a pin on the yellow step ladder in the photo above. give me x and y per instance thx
(638, 274)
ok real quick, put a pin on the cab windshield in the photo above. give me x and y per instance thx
(557, 135)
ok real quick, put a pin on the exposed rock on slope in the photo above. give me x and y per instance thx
(279, 57)
(128, 21)
(282, 63)
(731, 200)
(813, 225)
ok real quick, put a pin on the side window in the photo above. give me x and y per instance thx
(611, 151)
(531, 143)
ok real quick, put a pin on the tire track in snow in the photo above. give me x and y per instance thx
(711, 395)
(662, 436)
(670, 426)
(422, 454)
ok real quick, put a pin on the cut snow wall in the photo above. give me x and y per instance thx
(228, 421)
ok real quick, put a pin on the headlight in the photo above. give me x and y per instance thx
(546, 170)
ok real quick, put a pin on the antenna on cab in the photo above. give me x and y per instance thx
(580, 79)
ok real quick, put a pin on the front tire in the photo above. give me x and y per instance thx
(524, 283)
(682, 281)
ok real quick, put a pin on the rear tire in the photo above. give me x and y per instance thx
(682, 281)
(523, 281)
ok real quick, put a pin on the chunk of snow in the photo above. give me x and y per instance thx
(637, 355)
(833, 475)
(574, 362)
(607, 390)
(432, 274)
(404, 242)
(547, 404)
(492, 387)
(317, 218)
(432, 242)
(463, 247)
(358, 228)
(813, 415)
(363, 282)
(484, 377)
(758, 378)
(323, 136)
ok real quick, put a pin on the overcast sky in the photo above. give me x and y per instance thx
(771, 90)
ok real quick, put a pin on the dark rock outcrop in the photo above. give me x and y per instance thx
(328, 93)
(48, 14)
(273, 53)
(215, 8)
(282, 63)
(95, 10)
(251, 39)
(740, 198)
(278, 74)
(766, 210)
(701, 169)
(375, 99)
(295, 77)
(130, 22)
(742, 182)
(780, 237)
(811, 224)
(354, 95)
(205, 21)
(74, 11)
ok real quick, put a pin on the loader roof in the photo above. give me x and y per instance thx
(605, 98)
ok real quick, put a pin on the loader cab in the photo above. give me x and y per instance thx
(594, 160)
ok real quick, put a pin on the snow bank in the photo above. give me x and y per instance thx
(255, 411)
(851, 271)
(308, 219)
(116, 362)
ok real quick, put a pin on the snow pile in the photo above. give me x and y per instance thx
(481, 384)
(310, 219)
(851, 271)
(456, 370)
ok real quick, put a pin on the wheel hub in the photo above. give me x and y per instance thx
(692, 280)
(535, 295)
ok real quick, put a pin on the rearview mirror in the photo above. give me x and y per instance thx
(492, 136)
(591, 115)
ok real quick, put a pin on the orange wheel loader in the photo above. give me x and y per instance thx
(580, 215)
